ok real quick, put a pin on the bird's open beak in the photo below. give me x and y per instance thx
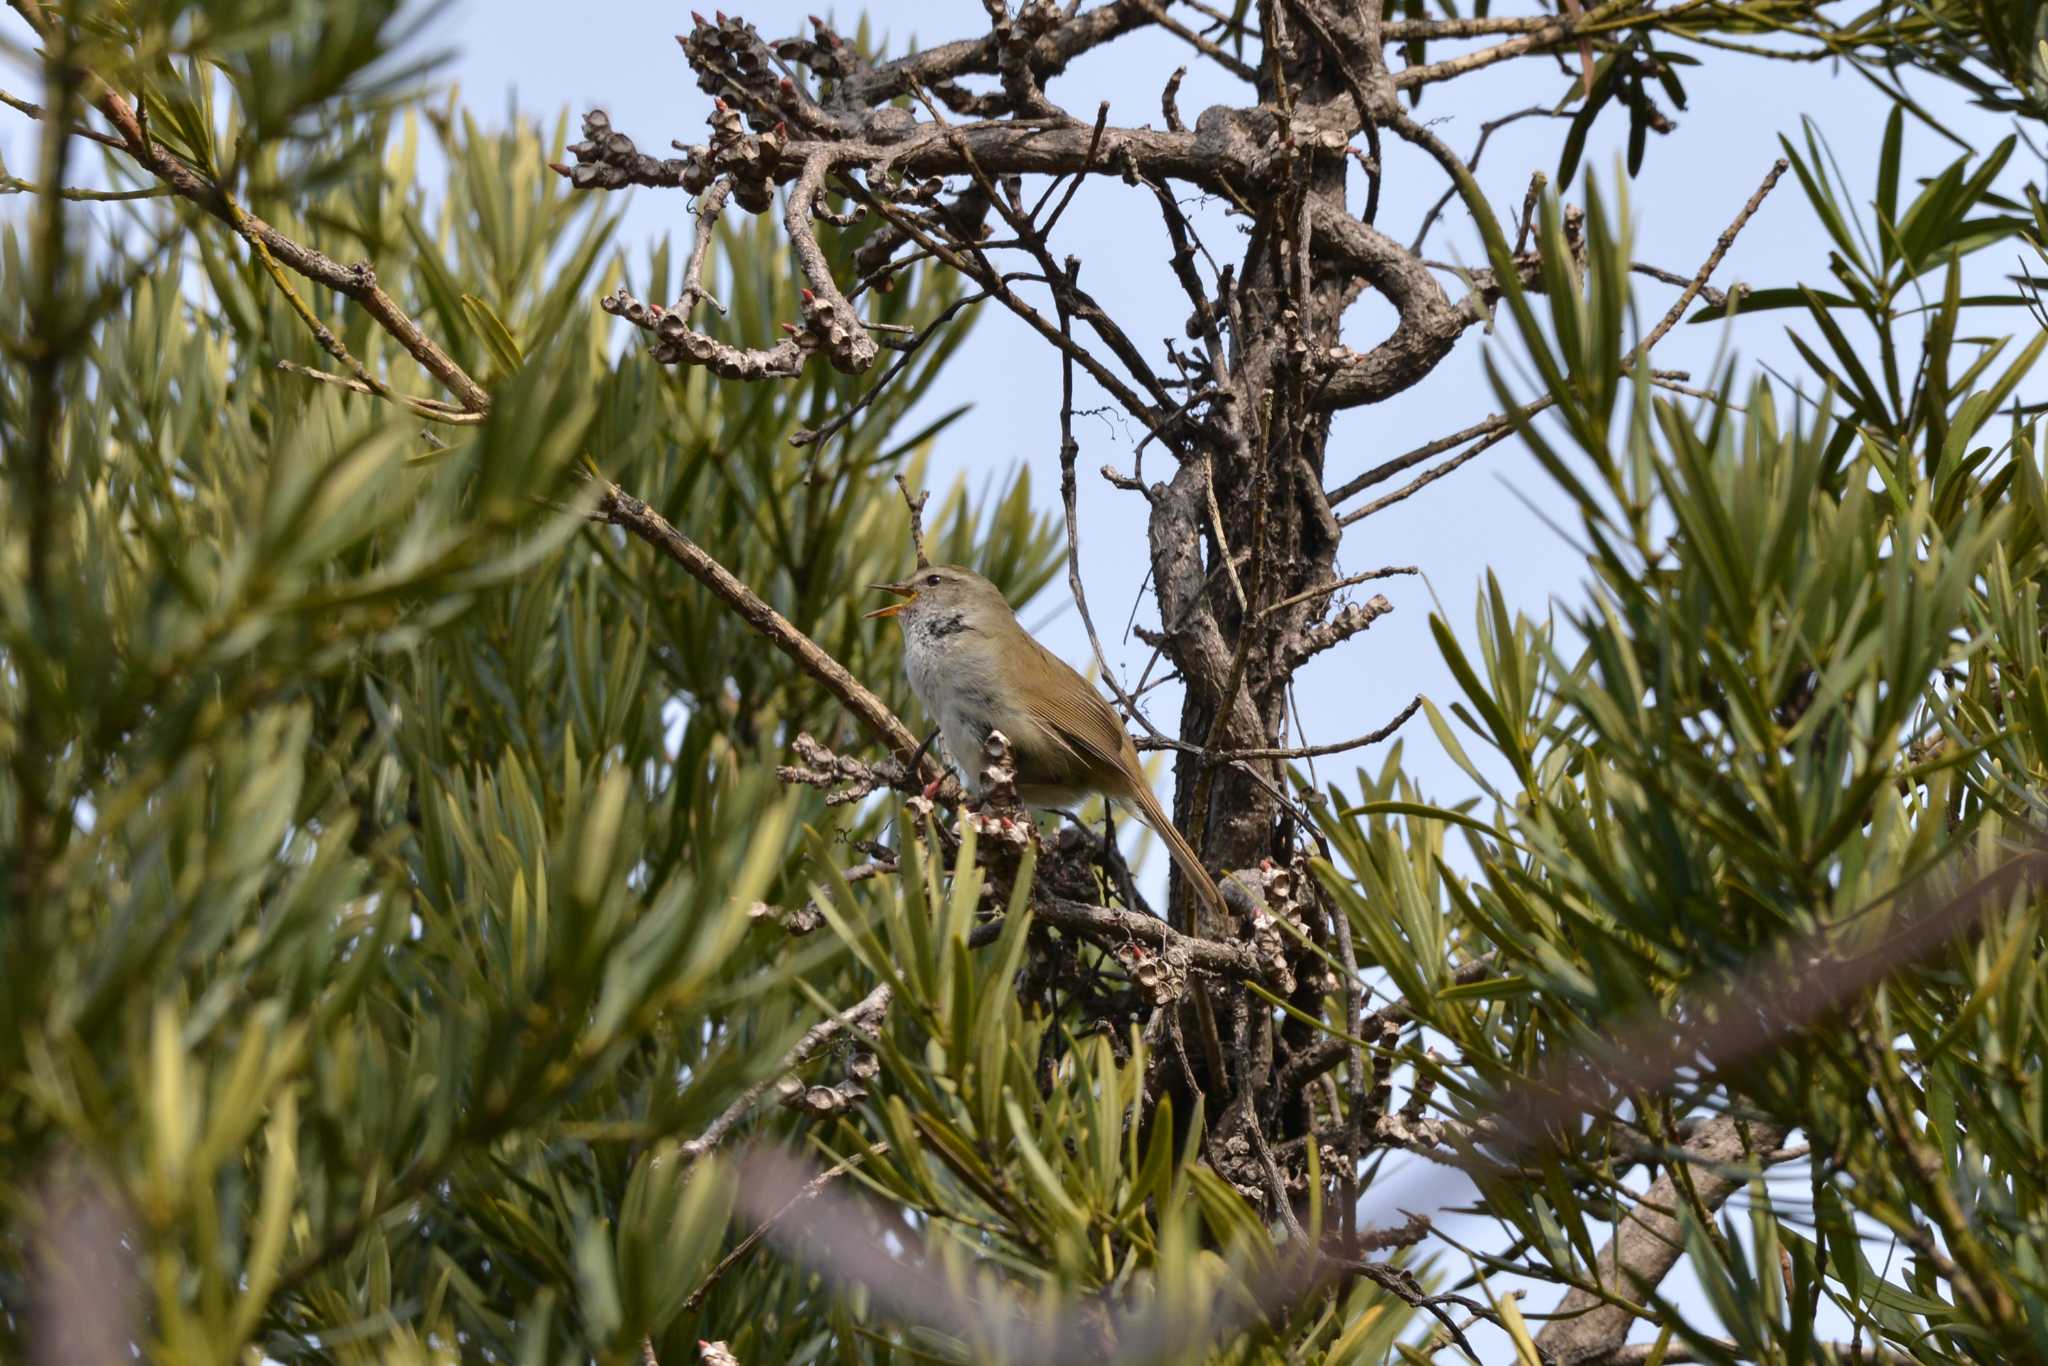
(901, 590)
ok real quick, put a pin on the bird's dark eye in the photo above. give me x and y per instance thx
(931, 581)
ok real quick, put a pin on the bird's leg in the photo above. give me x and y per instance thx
(931, 789)
(916, 758)
(924, 747)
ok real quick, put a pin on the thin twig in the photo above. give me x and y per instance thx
(1070, 450)
(710, 205)
(1350, 581)
(622, 509)
(16, 185)
(1157, 13)
(1707, 267)
(1486, 132)
(1387, 469)
(861, 1016)
(1248, 1101)
(1490, 431)
(1428, 477)
(1222, 541)
(35, 111)
(803, 436)
(1567, 28)
(427, 408)
(916, 507)
(1300, 752)
(760, 1230)
(1537, 180)
(1319, 1057)
(1169, 100)
(1087, 165)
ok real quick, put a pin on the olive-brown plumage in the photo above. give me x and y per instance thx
(976, 669)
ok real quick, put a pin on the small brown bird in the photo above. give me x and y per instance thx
(976, 669)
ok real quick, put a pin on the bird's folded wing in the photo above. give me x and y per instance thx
(1078, 718)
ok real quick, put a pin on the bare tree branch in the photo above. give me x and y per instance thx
(622, 509)
(1648, 1241)
(862, 1015)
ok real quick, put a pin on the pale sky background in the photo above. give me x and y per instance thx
(621, 56)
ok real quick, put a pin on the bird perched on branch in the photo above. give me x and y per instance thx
(976, 669)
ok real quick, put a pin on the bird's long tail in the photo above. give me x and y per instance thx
(1183, 852)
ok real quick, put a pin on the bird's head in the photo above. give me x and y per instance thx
(941, 588)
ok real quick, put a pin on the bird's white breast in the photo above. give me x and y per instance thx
(953, 671)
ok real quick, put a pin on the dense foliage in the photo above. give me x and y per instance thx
(400, 831)
(399, 886)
